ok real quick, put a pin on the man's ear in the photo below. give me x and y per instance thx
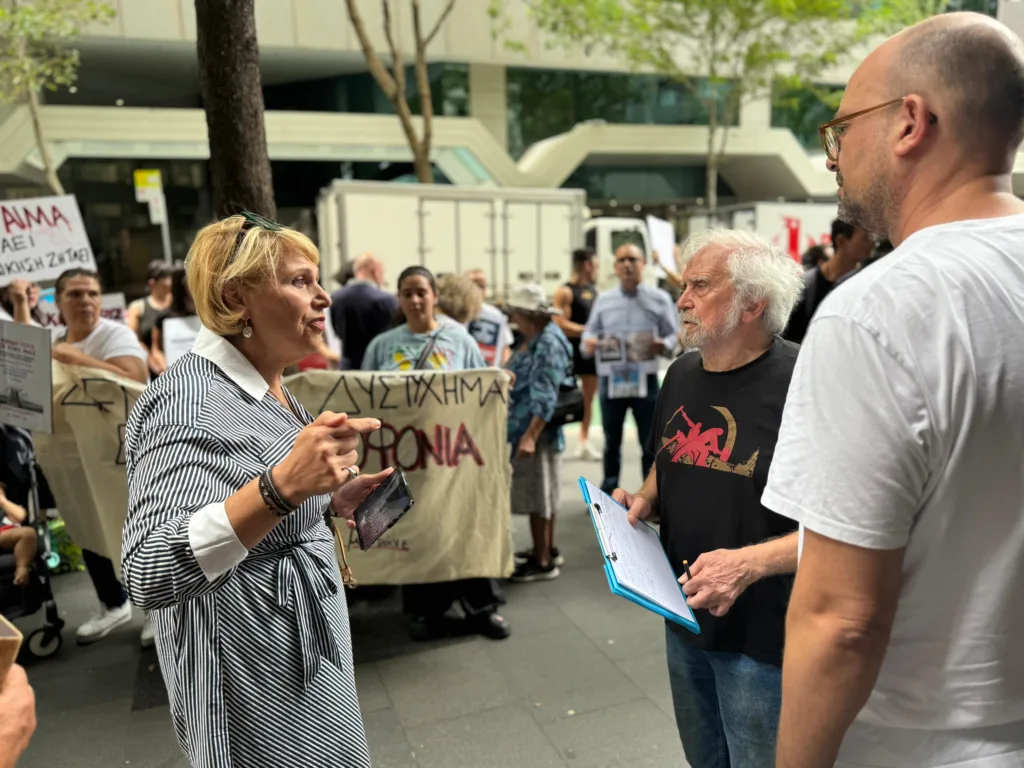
(753, 311)
(914, 123)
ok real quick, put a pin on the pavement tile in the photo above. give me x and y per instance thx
(649, 672)
(389, 747)
(635, 735)
(67, 686)
(560, 672)
(446, 684)
(151, 739)
(372, 696)
(506, 737)
(96, 733)
(632, 630)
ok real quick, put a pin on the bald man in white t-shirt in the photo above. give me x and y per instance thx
(901, 452)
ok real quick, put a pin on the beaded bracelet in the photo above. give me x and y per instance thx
(272, 498)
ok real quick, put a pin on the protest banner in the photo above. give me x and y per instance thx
(445, 430)
(84, 456)
(25, 376)
(40, 237)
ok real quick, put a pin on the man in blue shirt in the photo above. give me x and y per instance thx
(361, 310)
(628, 329)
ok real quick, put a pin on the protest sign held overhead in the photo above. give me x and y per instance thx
(40, 237)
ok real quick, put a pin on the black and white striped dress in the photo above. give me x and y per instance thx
(254, 646)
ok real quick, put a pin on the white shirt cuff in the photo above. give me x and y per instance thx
(213, 541)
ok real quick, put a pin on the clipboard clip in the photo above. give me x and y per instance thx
(611, 556)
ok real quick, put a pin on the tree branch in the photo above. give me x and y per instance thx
(437, 27)
(423, 82)
(397, 60)
(377, 69)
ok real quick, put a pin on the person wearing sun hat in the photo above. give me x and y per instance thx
(541, 363)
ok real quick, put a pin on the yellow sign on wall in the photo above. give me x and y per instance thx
(148, 184)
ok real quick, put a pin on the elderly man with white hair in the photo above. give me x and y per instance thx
(716, 423)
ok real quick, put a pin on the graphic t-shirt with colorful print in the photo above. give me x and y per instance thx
(399, 349)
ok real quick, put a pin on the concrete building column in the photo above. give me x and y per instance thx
(756, 113)
(488, 100)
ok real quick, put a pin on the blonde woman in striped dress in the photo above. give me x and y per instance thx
(225, 542)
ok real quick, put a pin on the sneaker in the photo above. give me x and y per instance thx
(147, 634)
(533, 571)
(587, 452)
(527, 555)
(102, 622)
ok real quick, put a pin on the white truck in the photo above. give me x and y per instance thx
(515, 234)
(512, 234)
(794, 227)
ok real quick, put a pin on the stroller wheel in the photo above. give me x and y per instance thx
(44, 642)
(53, 560)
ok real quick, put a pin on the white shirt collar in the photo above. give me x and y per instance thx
(233, 363)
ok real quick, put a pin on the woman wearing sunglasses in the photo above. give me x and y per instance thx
(225, 543)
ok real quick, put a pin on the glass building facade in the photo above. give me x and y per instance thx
(543, 103)
(359, 93)
(644, 185)
(803, 110)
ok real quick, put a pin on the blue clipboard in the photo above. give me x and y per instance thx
(623, 591)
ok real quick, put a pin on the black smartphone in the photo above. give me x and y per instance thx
(384, 507)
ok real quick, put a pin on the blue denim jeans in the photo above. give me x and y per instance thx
(613, 420)
(727, 706)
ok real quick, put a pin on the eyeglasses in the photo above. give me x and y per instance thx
(252, 220)
(832, 131)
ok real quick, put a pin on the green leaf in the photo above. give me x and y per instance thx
(35, 39)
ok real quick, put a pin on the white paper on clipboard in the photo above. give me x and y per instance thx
(636, 555)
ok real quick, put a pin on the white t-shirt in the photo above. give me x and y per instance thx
(110, 339)
(904, 427)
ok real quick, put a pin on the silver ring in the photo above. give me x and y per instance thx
(353, 470)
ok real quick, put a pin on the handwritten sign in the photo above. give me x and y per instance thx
(40, 237)
(445, 430)
(84, 456)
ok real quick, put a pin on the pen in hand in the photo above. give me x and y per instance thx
(686, 570)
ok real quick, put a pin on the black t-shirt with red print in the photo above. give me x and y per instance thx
(713, 438)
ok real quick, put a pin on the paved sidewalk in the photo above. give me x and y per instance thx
(581, 682)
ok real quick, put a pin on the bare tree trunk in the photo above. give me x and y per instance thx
(37, 125)
(393, 85)
(424, 172)
(229, 77)
(712, 160)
